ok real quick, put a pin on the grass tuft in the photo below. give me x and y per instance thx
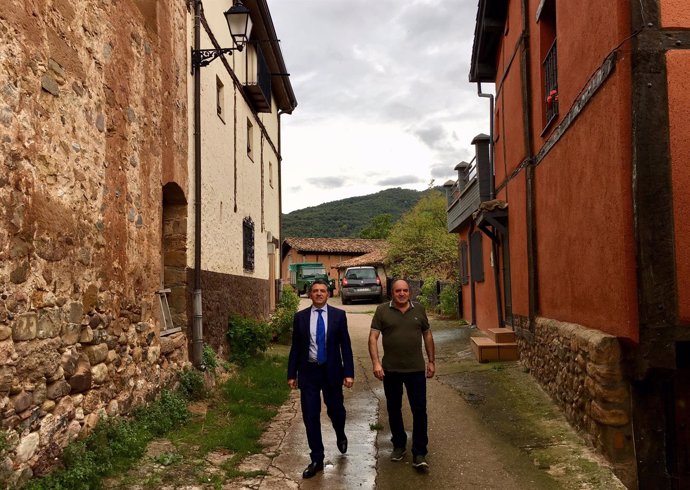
(237, 416)
(234, 421)
(114, 445)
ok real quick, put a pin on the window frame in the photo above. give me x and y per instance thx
(248, 244)
(464, 269)
(220, 99)
(548, 42)
(476, 257)
(250, 140)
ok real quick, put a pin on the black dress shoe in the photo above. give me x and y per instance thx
(342, 445)
(312, 469)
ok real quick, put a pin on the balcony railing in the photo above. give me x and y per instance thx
(464, 178)
(463, 196)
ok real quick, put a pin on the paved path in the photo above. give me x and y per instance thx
(357, 468)
(465, 452)
(490, 427)
(287, 439)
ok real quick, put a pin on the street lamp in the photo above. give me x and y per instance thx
(239, 23)
(240, 27)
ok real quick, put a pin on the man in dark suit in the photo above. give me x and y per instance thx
(321, 361)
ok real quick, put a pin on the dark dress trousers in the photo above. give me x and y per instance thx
(313, 379)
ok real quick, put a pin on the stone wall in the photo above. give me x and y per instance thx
(92, 123)
(225, 294)
(581, 369)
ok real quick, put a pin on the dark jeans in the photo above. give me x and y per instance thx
(313, 381)
(415, 384)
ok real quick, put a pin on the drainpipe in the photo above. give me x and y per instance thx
(280, 198)
(526, 80)
(492, 195)
(197, 325)
(492, 175)
(497, 283)
(473, 293)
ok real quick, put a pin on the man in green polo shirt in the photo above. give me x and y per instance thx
(404, 325)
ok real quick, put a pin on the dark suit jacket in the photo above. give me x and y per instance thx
(339, 363)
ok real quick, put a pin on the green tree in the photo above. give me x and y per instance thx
(379, 227)
(420, 245)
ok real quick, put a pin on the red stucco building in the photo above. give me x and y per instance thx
(573, 219)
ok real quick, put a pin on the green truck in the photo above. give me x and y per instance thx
(304, 273)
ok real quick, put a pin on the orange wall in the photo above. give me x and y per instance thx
(485, 298)
(517, 232)
(678, 68)
(510, 147)
(510, 151)
(587, 32)
(675, 13)
(487, 315)
(585, 236)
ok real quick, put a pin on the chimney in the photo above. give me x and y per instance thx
(481, 145)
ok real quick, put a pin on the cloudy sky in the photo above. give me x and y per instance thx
(383, 97)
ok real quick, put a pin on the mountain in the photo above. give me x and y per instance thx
(347, 217)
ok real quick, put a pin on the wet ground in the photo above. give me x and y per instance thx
(490, 427)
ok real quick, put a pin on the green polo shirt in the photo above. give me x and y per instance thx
(402, 336)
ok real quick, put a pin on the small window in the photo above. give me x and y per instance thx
(220, 99)
(250, 140)
(248, 244)
(549, 56)
(477, 257)
(270, 174)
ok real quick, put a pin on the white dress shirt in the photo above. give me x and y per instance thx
(312, 329)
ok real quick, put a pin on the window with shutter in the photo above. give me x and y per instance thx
(248, 244)
(464, 270)
(477, 257)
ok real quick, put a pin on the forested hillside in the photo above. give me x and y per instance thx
(346, 218)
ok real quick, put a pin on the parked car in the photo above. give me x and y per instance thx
(361, 283)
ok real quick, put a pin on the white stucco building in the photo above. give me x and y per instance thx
(234, 140)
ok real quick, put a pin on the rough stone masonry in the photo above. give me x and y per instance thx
(92, 125)
(581, 369)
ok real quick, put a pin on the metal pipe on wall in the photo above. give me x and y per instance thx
(197, 322)
(497, 281)
(492, 195)
(526, 81)
(492, 173)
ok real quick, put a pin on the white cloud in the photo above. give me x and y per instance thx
(383, 95)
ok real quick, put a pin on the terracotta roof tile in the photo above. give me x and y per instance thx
(334, 245)
(372, 258)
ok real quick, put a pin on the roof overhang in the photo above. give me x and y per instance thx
(488, 33)
(265, 33)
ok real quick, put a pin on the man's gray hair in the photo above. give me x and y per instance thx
(318, 281)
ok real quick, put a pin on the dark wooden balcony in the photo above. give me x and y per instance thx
(463, 202)
(258, 86)
(472, 187)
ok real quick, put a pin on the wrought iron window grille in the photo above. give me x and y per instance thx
(550, 65)
(248, 244)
